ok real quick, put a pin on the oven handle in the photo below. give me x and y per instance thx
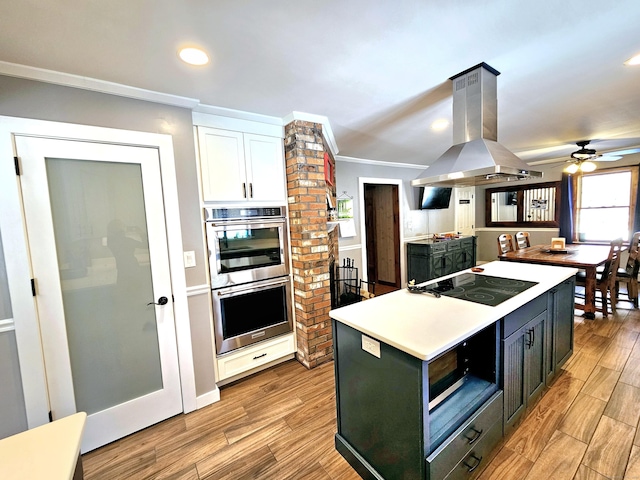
(253, 221)
(237, 290)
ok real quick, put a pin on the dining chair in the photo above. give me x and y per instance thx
(505, 243)
(629, 274)
(522, 240)
(606, 279)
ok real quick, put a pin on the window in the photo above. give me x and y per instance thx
(604, 204)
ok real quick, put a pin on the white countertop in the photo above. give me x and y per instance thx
(49, 451)
(425, 326)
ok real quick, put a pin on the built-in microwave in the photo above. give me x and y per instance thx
(246, 244)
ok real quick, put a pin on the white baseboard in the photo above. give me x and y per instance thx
(208, 398)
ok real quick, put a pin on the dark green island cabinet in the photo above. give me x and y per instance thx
(429, 259)
(404, 417)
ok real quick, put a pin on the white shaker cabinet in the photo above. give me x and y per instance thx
(237, 166)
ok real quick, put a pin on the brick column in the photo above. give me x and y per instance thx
(310, 243)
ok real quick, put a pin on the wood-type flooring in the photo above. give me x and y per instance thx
(279, 424)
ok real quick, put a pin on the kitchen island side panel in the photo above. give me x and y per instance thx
(380, 403)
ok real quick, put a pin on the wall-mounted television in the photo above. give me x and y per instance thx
(433, 198)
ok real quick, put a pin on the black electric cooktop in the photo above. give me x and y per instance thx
(482, 289)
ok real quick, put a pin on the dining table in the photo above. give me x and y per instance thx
(586, 257)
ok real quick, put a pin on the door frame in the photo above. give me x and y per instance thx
(363, 229)
(473, 207)
(14, 239)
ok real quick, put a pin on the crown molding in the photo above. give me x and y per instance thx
(93, 84)
(238, 114)
(380, 163)
(312, 117)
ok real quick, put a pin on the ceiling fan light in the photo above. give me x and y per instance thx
(587, 166)
(635, 60)
(571, 169)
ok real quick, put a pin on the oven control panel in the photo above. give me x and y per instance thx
(212, 214)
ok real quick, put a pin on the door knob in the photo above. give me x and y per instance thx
(161, 301)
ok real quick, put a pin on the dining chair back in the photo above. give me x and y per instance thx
(606, 279)
(522, 240)
(629, 274)
(505, 243)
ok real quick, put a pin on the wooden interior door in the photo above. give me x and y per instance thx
(382, 223)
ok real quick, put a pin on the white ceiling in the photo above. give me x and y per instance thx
(378, 70)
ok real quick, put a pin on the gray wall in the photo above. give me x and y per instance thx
(13, 418)
(416, 223)
(37, 100)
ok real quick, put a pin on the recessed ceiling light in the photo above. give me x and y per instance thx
(194, 56)
(635, 60)
(440, 124)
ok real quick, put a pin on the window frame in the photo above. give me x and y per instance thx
(577, 195)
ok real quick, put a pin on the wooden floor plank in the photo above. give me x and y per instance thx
(280, 424)
(581, 364)
(533, 434)
(624, 404)
(631, 373)
(609, 449)
(615, 357)
(601, 383)
(633, 467)
(585, 473)
(583, 417)
(626, 337)
(507, 465)
(563, 392)
(559, 460)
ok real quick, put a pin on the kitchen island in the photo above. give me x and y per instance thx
(427, 384)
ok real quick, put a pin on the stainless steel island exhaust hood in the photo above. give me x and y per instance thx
(476, 158)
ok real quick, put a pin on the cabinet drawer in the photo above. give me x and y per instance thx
(466, 242)
(235, 363)
(454, 245)
(445, 458)
(478, 457)
(439, 247)
(514, 321)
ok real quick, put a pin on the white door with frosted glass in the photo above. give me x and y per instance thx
(97, 242)
(465, 210)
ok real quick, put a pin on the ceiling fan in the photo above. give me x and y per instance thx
(582, 159)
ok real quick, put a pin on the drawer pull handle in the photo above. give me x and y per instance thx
(260, 356)
(477, 435)
(471, 468)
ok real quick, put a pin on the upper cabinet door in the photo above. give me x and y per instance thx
(265, 167)
(222, 165)
(238, 166)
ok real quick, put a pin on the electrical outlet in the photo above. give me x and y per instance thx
(371, 346)
(189, 259)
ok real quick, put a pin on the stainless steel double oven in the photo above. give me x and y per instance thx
(250, 277)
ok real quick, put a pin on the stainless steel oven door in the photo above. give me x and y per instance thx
(241, 251)
(250, 313)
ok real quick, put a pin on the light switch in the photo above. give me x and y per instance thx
(189, 259)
